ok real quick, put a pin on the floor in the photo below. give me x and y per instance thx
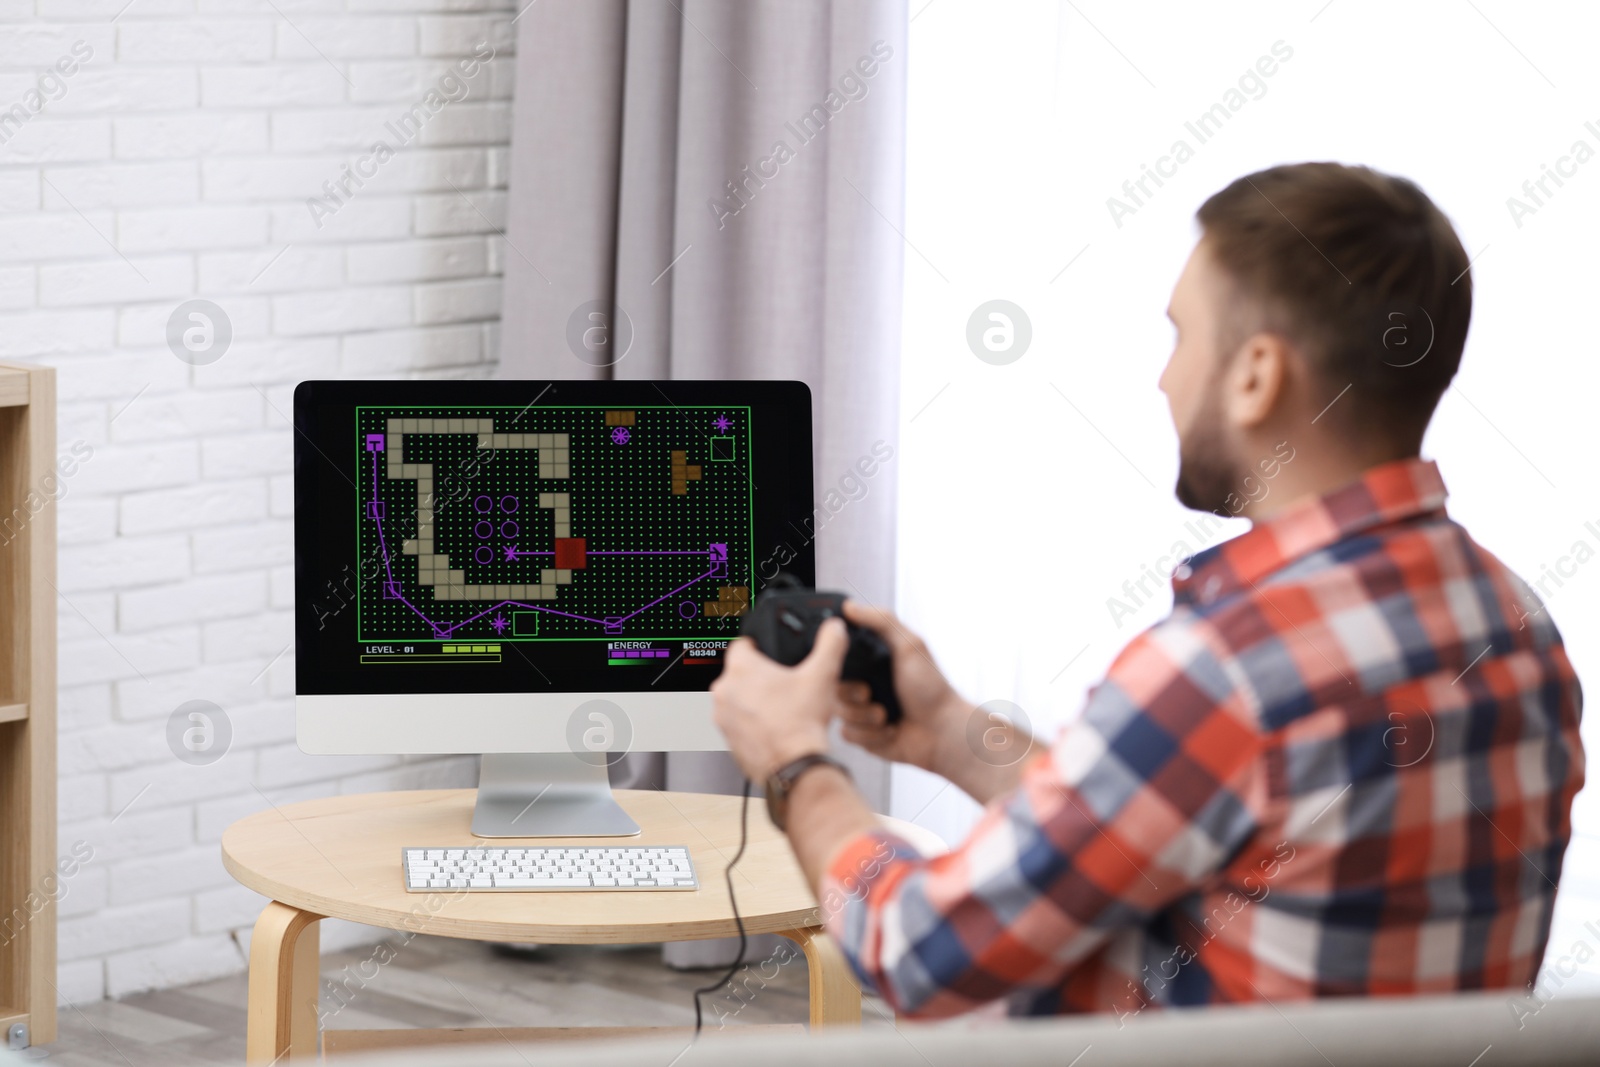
(434, 982)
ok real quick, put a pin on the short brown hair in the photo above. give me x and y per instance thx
(1360, 270)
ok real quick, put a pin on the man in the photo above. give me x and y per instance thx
(1344, 765)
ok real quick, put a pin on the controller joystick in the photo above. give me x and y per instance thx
(784, 624)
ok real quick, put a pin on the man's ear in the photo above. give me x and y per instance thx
(1257, 379)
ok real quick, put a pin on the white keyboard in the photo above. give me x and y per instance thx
(519, 870)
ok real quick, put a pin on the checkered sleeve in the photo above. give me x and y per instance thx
(1152, 789)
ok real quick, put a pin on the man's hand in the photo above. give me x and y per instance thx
(934, 713)
(772, 714)
(933, 732)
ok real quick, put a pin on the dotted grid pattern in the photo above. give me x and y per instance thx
(650, 569)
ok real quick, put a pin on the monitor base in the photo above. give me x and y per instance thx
(555, 794)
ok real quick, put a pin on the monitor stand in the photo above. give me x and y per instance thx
(547, 794)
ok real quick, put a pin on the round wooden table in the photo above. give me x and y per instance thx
(339, 857)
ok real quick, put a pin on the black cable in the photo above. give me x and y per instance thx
(744, 941)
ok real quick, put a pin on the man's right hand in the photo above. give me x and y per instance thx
(934, 731)
(934, 715)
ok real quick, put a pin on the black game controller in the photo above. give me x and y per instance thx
(784, 624)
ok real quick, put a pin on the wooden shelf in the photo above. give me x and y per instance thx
(9, 1017)
(28, 710)
(14, 388)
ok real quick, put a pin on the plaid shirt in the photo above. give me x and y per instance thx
(1344, 765)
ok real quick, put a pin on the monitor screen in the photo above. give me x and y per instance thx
(526, 536)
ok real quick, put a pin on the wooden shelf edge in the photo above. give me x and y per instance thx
(27, 630)
(13, 386)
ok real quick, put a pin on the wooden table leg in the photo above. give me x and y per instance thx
(835, 997)
(282, 1021)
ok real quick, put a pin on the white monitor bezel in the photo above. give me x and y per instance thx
(454, 723)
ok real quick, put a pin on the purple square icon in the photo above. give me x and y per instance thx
(374, 509)
(374, 442)
(391, 590)
(719, 569)
(719, 551)
(614, 625)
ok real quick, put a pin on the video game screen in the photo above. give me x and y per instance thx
(540, 536)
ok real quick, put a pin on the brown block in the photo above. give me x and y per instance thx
(732, 601)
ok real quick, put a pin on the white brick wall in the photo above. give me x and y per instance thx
(173, 162)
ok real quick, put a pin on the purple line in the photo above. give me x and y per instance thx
(651, 552)
(659, 599)
(663, 552)
(420, 615)
(390, 572)
(418, 611)
(384, 545)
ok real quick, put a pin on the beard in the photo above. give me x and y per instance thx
(1206, 473)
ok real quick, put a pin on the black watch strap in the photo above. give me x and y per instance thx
(781, 784)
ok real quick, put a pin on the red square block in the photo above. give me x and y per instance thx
(571, 553)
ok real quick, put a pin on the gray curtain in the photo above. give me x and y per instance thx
(722, 181)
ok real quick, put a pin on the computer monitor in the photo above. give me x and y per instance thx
(546, 572)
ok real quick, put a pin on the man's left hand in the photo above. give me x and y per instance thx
(772, 714)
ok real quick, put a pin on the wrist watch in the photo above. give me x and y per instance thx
(782, 781)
